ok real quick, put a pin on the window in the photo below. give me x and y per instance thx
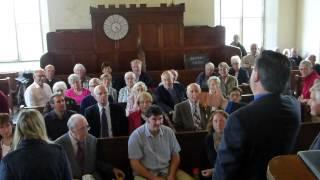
(242, 17)
(23, 28)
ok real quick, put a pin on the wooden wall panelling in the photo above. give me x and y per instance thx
(197, 36)
(89, 60)
(63, 62)
(124, 59)
(154, 60)
(174, 59)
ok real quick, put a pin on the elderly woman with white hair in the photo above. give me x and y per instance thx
(60, 87)
(132, 104)
(81, 71)
(227, 82)
(76, 92)
(309, 76)
(215, 96)
(125, 92)
(237, 71)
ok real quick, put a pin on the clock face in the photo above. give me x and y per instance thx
(116, 27)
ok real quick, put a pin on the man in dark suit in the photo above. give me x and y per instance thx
(80, 148)
(105, 119)
(189, 115)
(50, 73)
(237, 71)
(168, 94)
(263, 129)
(136, 67)
(89, 100)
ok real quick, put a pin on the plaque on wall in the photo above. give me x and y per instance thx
(195, 60)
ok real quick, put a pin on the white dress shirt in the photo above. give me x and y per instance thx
(36, 95)
(107, 111)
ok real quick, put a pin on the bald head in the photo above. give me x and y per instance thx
(101, 95)
(193, 91)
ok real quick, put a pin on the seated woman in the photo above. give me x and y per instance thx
(137, 118)
(125, 92)
(60, 87)
(106, 80)
(216, 124)
(132, 105)
(34, 156)
(6, 134)
(204, 76)
(227, 82)
(76, 92)
(215, 99)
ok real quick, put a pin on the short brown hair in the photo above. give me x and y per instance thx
(235, 88)
(104, 65)
(4, 118)
(209, 125)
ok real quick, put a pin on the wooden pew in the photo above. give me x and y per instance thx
(115, 151)
(308, 132)
(5, 87)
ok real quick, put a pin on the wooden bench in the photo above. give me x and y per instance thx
(308, 132)
(193, 155)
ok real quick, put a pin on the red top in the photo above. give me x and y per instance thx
(134, 121)
(308, 83)
(4, 105)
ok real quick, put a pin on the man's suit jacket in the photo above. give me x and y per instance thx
(164, 99)
(182, 117)
(119, 121)
(254, 134)
(144, 77)
(243, 75)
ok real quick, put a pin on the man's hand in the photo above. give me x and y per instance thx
(118, 173)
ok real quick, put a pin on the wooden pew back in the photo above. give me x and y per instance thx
(193, 155)
(308, 132)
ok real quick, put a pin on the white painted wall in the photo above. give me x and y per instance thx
(74, 14)
(308, 27)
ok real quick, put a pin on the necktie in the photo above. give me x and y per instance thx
(80, 155)
(196, 118)
(104, 124)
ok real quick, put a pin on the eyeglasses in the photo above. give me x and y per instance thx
(85, 128)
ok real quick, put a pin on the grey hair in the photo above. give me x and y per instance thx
(139, 83)
(209, 64)
(223, 65)
(129, 73)
(73, 78)
(78, 66)
(74, 119)
(235, 60)
(306, 63)
(193, 84)
(59, 85)
(316, 89)
(95, 81)
(213, 78)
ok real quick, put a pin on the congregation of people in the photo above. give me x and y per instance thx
(60, 142)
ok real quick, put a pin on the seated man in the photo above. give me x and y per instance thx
(106, 119)
(248, 61)
(168, 94)
(203, 77)
(106, 80)
(38, 93)
(136, 66)
(237, 71)
(56, 119)
(309, 76)
(189, 115)
(50, 72)
(80, 148)
(154, 150)
(295, 57)
(89, 100)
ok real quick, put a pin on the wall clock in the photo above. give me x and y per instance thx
(116, 27)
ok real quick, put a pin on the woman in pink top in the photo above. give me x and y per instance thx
(76, 92)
